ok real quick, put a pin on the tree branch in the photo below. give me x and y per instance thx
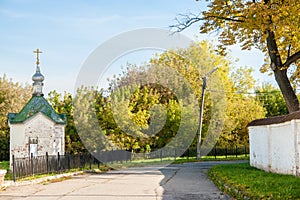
(186, 20)
(289, 51)
(292, 59)
(226, 18)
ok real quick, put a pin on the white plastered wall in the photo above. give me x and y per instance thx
(275, 147)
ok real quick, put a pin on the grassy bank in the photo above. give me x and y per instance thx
(242, 181)
(222, 158)
(4, 165)
(172, 160)
(9, 176)
(133, 163)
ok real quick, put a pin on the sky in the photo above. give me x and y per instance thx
(68, 31)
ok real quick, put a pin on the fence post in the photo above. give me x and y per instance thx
(119, 156)
(130, 156)
(69, 161)
(215, 152)
(226, 151)
(161, 155)
(90, 161)
(188, 153)
(32, 164)
(81, 161)
(245, 151)
(14, 167)
(58, 161)
(236, 151)
(47, 162)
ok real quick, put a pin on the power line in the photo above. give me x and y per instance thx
(262, 97)
(253, 93)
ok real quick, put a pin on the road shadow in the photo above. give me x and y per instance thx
(189, 181)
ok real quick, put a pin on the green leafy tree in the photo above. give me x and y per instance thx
(64, 104)
(193, 63)
(271, 26)
(141, 115)
(13, 98)
(240, 108)
(242, 78)
(86, 112)
(272, 100)
(126, 118)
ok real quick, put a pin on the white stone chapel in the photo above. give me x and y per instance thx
(37, 128)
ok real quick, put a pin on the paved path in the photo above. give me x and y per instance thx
(182, 181)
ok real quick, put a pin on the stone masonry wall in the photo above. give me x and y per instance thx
(38, 129)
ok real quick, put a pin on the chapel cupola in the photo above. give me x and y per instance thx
(38, 78)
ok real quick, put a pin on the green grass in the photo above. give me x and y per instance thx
(169, 160)
(155, 161)
(222, 158)
(133, 163)
(37, 176)
(242, 180)
(9, 175)
(4, 165)
(140, 163)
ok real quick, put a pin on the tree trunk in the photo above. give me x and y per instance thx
(280, 73)
(286, 90)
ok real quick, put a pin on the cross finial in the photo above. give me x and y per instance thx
(37, 51)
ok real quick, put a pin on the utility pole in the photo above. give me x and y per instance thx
(204, 78)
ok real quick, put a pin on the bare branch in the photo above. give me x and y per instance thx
(186, 20)
(293, 58)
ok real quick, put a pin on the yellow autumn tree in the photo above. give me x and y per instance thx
(271, 26)
(227, 96)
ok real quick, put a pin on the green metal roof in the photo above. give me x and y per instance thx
(35, 105)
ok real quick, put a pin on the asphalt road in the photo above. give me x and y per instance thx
(182, 181)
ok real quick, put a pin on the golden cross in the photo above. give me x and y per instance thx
(37, 51)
